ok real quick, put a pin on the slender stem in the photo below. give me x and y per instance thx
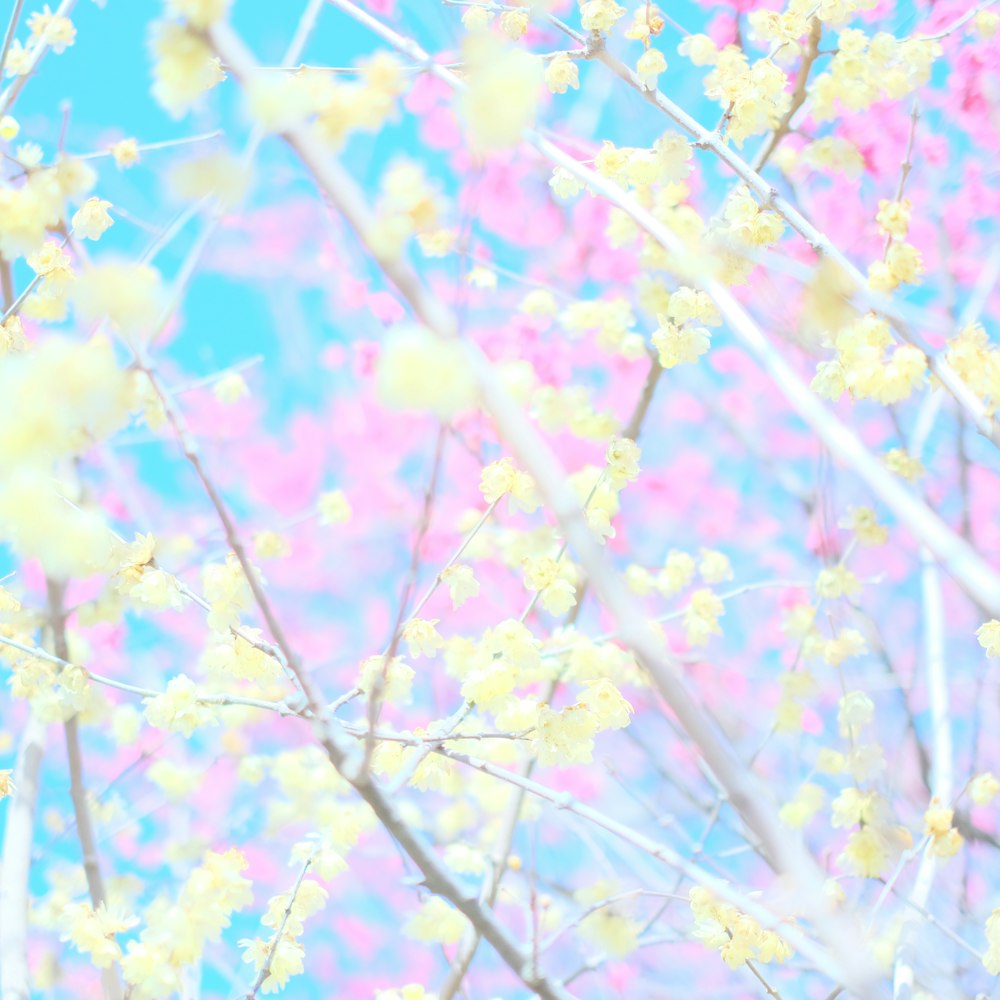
(265, 969)
(78, 793)
(8, 38)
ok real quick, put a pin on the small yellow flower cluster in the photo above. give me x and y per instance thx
(988, 635)
(863, 522)
(47, 28)
(837, 581)
(130, 295)
(49, 302)
(807, 802)
(422, 637)
(903, 264)
(856, 711)
(436, 922)
(231, 389)
(125, 153)
(870, 848)
(570, 408)
(184, 67)
(734, 934)
(7, 786)
(227, 591)
(28, 211)
(397, 678)
(600, 15)
(750, 224)
(461, 583)
(56, 400)
(175, 934)
(553, 581)
(417, 370)
(92, 932)
(178, 709)
(986, 23)
(683, 335)
(600, 498)
(235, 656)
(615, 933)
(514, 23)
(847, 644)
(866, 69)
(269, 544)
(613, 322)
(561, 73)
(678, 571)
(503, 479)
(796, 687)
(983, 788)
(754, 97)
(946, 841)
(565, 736)
(991, 960)
(863, 369)
(136, 578)
(287, 955)
(701, 616)
(346, 106)
(501, 98)
(590, 661)
(834, 154)
(334, 508)
(905, 465)
(12, 336)
(649, 67)
(977, 362)
(407, 206)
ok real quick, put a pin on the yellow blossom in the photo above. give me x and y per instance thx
(418, 370)
(436, 922)
(561, 73)
(178, 708)
(421, 636)
(988, 635)
(501, 98)
(91, 220)
(334, 508)
(983, 788)
(230, 388)
(461, 584)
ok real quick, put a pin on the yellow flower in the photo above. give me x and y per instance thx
(600, 15)
(437, 922)
(983, 788)
(461, 584)
(184, 67)
(989, 637)
(334, 508)
(125, 152)
(92, 220)
(501, 98)
(649, 67)
(561, 73)
(231, 388)
(421, 636)
(178, 708)
(418, 370)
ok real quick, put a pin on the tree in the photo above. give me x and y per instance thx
(474, 527)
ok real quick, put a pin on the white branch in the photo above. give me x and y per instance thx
(15, 979)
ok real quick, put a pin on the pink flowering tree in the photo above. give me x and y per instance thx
(499, 499)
